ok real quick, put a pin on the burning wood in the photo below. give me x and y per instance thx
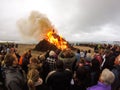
(57, 40)
(52, 42)
(44, 45)
(39, 27)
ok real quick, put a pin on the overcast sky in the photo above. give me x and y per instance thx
(75, 20)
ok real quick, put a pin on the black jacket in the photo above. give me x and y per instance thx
(59, 80)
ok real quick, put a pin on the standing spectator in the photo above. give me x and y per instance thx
(78, 55)
(116, 71)
(1, 76)
(51, 60)
(14, 76)
(33, 64)
(29, 54)
(60, 78)
(34, 80)
(89, 54)
(24, 61)
(105, 80)
(95, 71)
(82, 54)
(98, 56)
(69, 59)
(80, 79)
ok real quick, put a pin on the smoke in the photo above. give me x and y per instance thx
(35, 26)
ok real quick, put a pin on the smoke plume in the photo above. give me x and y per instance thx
(35, 26)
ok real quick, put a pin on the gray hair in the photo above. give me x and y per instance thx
(107, 77)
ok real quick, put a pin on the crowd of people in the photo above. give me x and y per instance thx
(61, 69)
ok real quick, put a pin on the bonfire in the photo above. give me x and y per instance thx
(53, 41)
(39, 27)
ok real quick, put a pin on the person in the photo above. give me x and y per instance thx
(33, 64)
(116, 71)
(105, 80)
(60, 78)
(1, 76)
(98, 56)
(51, 60)
(15, 78)
(34, 81)
(69, 59)
(77, 54)
(24, 61)
(95, 72)
(80, 79)
(82, 54)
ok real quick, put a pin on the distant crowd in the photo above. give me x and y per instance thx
(97, 69)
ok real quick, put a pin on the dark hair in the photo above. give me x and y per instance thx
(81, 73)
(82, 77)
(9, 58)
(89, 51)
(78, 50)
(59, 65)
(95, 65)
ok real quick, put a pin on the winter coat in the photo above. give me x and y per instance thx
(68, 62)
(15, 78)
(59, 80)
(116, 83)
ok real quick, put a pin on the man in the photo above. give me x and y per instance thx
(60, 78)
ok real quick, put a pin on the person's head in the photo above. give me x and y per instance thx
(59, 65)
(81, 62)
(78, 50)
(89, 51)
(96, 51)
(117, 60)
(33, 60)
(52, 53)
(67, 53)
(107, 77)
(81, 74)
(32, 76)
(11, 60)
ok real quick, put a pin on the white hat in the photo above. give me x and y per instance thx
(52, 53)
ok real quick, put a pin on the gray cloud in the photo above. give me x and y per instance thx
(75, 19)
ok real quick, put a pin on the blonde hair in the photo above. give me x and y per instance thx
(107, 77)
(32, 76)
(34, 60)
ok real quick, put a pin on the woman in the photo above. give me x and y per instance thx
(105, 80)
(34, 80)
(15, 78)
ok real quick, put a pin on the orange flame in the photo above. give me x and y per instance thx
(57, 40)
